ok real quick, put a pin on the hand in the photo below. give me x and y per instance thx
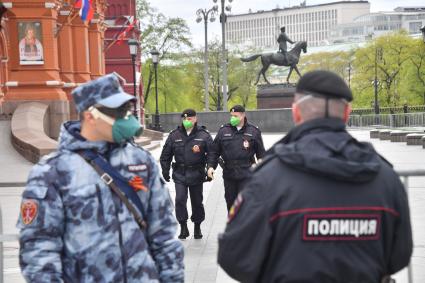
(166, 176)
(210, 173)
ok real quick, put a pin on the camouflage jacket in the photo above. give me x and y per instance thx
(73, 228)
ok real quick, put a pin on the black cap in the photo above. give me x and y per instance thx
(324, 83)
(188, 113)
(237, 108)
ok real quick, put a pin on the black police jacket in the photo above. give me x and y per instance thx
(238, 149)
(190, 154)
(321, 207)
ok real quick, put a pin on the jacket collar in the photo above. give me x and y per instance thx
(312, 126)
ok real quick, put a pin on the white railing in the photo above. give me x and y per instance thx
(388, 120)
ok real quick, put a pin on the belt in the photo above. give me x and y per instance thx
(230, 163)
(182, 165)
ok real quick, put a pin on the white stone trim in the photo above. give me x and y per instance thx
(95, 21)
(49, 5)
(51, 83)
(68, 85)
(64, 12)
(8, 5)
(11, 83)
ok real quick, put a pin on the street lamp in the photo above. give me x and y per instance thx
(223, 19)
(204, 14)
(423, 33)
(378, 53)
(134, 46)
(155, 59)
(349, 74)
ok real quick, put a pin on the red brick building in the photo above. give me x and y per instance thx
(46, 50)
(120, 19)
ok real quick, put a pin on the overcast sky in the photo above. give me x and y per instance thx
(186, 9)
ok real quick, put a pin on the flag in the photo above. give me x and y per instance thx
(86, 9)
(123, 34)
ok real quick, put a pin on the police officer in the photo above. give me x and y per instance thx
(73, 226)
(238, 143)
(321, 206)
(190, 145)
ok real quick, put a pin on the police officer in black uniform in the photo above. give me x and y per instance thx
(321, 206)
(238, 143)
(190, 145)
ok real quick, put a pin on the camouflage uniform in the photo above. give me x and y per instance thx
(79, 231)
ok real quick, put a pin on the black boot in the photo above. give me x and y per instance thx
(198, 233)
(184, 231)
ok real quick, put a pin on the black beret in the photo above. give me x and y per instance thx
(324, 83)
(237, 108)
(188, 113)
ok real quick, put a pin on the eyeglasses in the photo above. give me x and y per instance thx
(118, 113)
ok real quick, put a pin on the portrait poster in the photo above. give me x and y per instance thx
(30, 43)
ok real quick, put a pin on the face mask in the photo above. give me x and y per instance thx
(126, 128)
(234, 121)
(187, 124)
(123, 129)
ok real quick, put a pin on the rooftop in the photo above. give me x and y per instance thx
(301, 7)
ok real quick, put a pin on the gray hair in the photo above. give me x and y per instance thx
(314, 107)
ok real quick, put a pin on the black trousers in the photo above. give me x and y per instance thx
(231, 190)
(196, 197)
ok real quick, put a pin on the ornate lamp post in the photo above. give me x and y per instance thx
(223, 19)
(349, 68)
(378, 53)
(155, 59)
(134, 46)
(204, 14)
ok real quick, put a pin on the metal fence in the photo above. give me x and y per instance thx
(388, 120)
(404, 175)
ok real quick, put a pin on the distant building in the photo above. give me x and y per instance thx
(309, 23)
(366, 26)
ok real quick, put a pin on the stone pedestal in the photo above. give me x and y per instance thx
(275, 96)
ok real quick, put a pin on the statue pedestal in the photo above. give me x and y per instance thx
(275, 96)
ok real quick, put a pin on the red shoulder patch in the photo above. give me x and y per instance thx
(29, 211)
(235, 208)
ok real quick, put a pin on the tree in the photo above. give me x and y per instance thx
(417, 70)
(157, 31)
(391, 53)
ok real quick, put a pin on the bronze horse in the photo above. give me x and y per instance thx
(291, 60)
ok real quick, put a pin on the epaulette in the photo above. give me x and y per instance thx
(49, 157)
(255, 126)
(203, 128)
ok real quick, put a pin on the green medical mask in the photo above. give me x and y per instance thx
(187, 124)
(126, 128)
(123, 129)
(234, 121)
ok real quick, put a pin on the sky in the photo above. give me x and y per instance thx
(186, 9)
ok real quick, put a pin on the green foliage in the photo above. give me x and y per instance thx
(400, 69)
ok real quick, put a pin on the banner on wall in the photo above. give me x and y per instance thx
(30, 43)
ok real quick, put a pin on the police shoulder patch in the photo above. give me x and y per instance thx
(235, 208)
(29, 211)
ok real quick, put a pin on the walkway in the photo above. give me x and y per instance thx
(200, 259)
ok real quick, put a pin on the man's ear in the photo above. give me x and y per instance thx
(296, 114)
(347, 112)
(88, 117)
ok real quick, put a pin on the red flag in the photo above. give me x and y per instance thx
(123, 34)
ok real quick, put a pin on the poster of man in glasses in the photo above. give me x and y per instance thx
(30, 43)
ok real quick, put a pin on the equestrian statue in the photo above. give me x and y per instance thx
(280, 58)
